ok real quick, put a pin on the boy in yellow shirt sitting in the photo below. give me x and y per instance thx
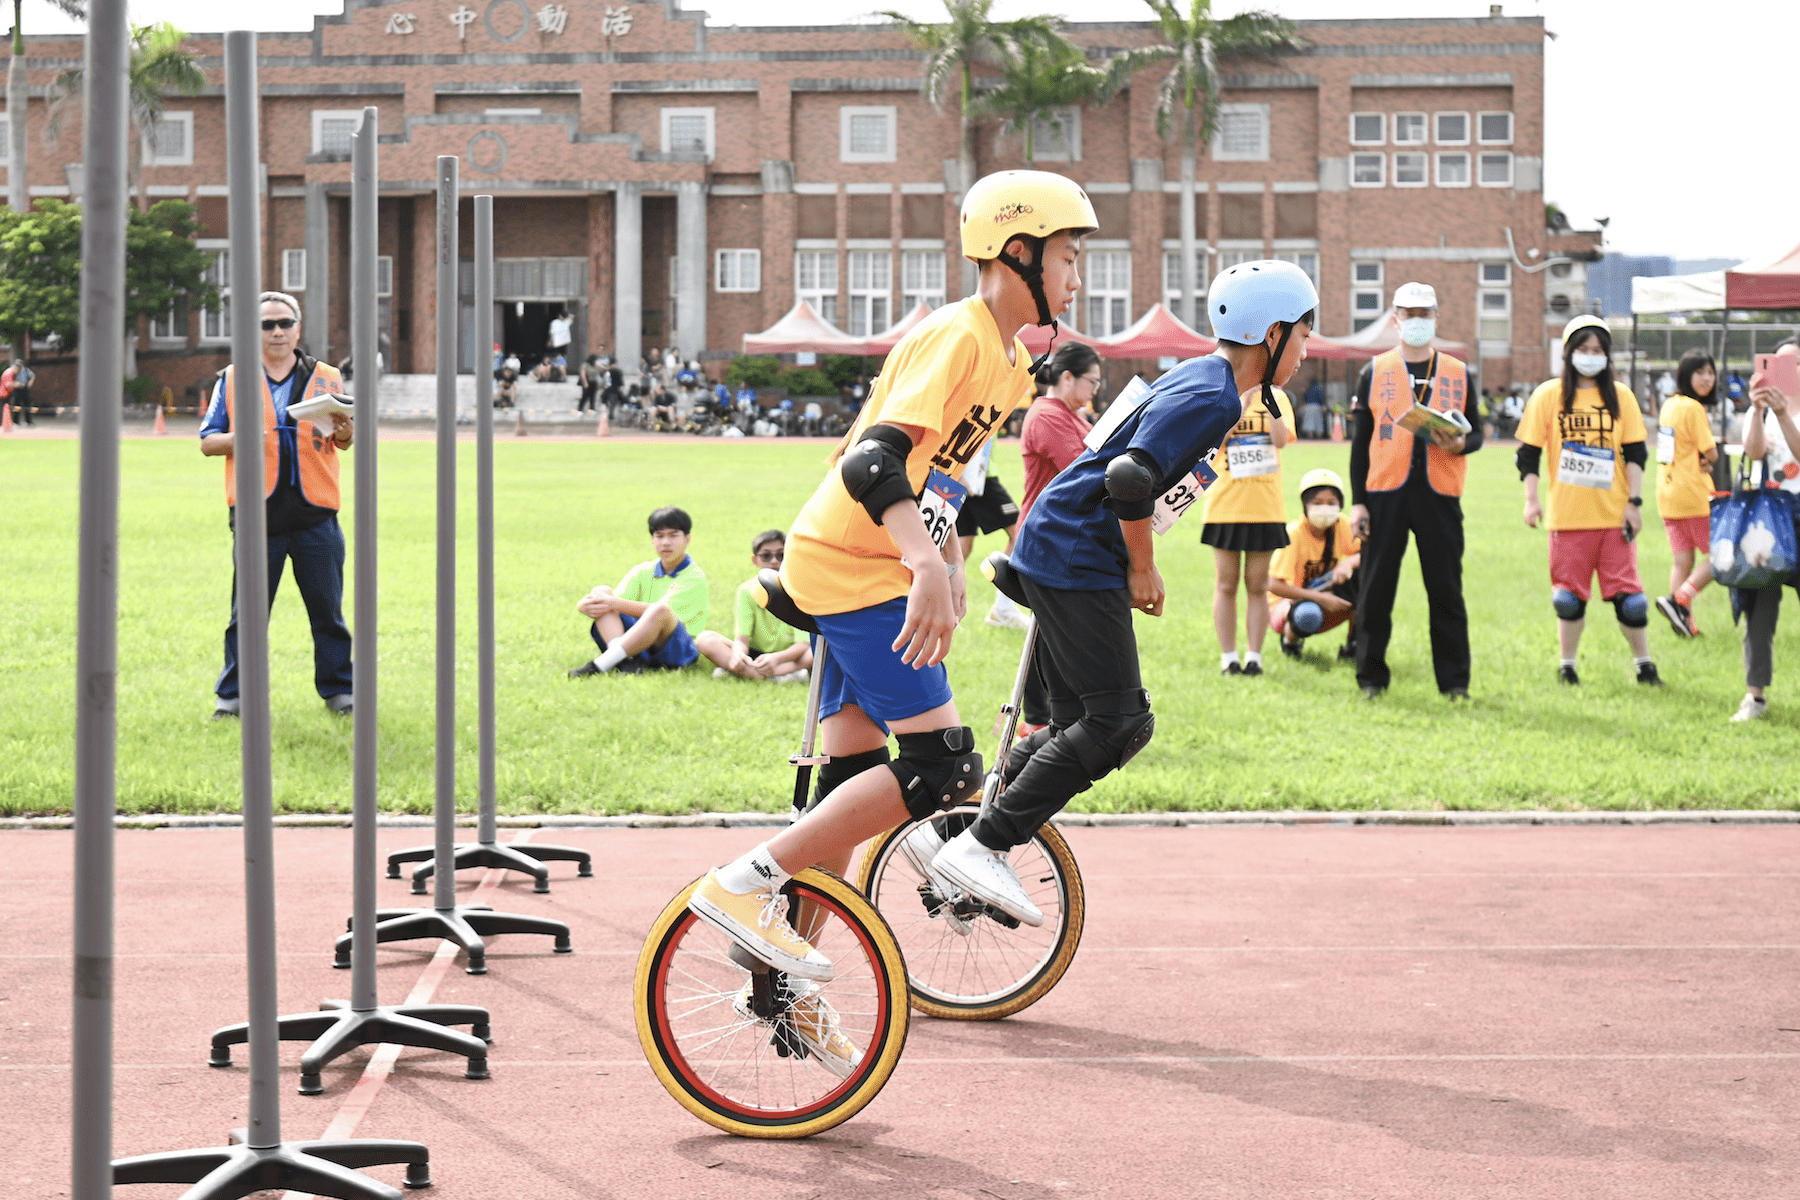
(1313, 577)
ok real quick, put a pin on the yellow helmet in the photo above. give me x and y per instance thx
(1586, 321)
(1009, 204)
(1321, 477)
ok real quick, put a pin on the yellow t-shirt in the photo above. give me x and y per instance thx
(1250, 499)
(1304, 559)
(1599, 435)
(950, 375)
(1683, 486)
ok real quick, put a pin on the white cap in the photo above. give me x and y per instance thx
(1415, 295)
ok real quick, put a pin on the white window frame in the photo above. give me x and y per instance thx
(1468, 169)
(1306, 260)
(847, 112)
(669, 115)
(153, 159)
(871, 292)
(167, 322)
(1437, 129)
(384, 275)
(293, 270)
(1171, 269)
(1481, 163)
(215, 323)
(512, 112)
(737, 270)
(1368, 281)
(1070, 116)
(921, 278)
(1359, 161)
(1424, 179)
(1424, 137)
(1487, 141)
(322, 115)
(1261, 154)
(1101, 284)
(1502, 276)
(1492, 347)
(820, 293)
(1380, 138)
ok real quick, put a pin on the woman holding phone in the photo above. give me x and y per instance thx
(1772, 437)
(1685, 453)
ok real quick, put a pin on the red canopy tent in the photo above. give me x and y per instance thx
(1380, 336)
(1159, 333)
(800, 331)
(883, 343)
(1774, 283)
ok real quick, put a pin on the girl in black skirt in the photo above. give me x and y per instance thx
(1246, 522)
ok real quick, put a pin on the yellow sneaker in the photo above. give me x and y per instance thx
(812, 1019)
(758, 922)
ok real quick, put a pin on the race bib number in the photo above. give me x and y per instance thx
(1178, 499)
(1586, 466)
(939, 503)
(1251, 455)
(1665, 444)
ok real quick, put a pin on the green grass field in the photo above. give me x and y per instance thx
(571, 515)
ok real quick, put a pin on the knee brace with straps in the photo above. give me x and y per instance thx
(842, 769)
(937, 770)
(1115, 727)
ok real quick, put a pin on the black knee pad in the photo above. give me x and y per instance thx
(842, 769)
(1115, 728)
(1633, 610)
(1568, 606)
(937, 770)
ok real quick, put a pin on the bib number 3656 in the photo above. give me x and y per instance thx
(1251, 455)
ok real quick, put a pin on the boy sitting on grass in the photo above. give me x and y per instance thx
(766, 647)
(647, 622)
(1314, 575)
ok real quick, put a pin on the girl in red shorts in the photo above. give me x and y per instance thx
(1686, 451)
(1586, 433)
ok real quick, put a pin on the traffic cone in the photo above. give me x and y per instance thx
(5, 418)
(162, 428)
(605, 427)
(518, 422)
(1337, 427)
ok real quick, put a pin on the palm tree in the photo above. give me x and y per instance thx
(1188, 100)
(1042, 73)
(16, 92)
(951, 51)
(158, 66)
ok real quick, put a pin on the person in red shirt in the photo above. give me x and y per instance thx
(1051, 440)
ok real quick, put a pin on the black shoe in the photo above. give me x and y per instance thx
(1232, 669)
(1647, 675)
(1292, 649)
(585, 669)
(1253, 668)
(1371, 692)
(630, 666)
(1455, 694)
(1679, 617)
(1347, 652)
(1566, 674)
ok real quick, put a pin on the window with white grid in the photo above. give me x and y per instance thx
(1409, 129)
(1494, 128)
(170, 141)
(1242, 133)
(737, 270)
(1367, 297)
(1411, 168)
(332, 129)
(1494, 313)
(1453, 170)
(1306, 260)
(1172, 279)
(816, 281)
(1368, 129)
(215, 323)
(293, 270)
(1106, 293)
(921, 279)
(1494, 169)
(1368, 170)
(1452, 129)
(866, 133)
(687, 131)
(171, 326)
(871, 291)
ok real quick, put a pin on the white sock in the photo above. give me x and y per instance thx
(755, 871)
(1226, 659)
(1641, 661)
(1568, 662)
(611, 658)
(1003, 603)
(1253, 656)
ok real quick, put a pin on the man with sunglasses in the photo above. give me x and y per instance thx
(763, 646)
(300, 472)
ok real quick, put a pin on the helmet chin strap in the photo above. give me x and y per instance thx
(1268, 384)
(1033, 275)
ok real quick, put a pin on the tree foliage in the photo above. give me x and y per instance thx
(164, 269)
(952, 50)
(1198, 42)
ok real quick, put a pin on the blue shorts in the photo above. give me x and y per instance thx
(863, 668)
(679, 651)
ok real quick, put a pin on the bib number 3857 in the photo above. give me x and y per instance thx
(1586, 466)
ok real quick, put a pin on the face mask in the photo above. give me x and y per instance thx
(1418, 331)
(1589, 365)
(1322, 516)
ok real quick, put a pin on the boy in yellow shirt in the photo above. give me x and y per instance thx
(1685, 452)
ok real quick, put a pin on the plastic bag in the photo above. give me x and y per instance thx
(1753, 543)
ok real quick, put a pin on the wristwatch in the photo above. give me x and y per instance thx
(1635, 501)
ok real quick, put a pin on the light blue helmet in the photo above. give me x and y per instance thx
(1245, 300)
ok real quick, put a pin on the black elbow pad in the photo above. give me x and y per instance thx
(1528, 459)
(1635, 452)
(1131, 486)
(874, 470)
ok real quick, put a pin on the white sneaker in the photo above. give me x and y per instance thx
(1008, 618)
(800, 676)
(721, 673)
(985, 874)
(1754, 708)
(921, 846)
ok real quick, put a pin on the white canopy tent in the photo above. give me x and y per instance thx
(1678, 293)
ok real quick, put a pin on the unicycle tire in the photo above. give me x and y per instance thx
(966, 961)
(749, 1075)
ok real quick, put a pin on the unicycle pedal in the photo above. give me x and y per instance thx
(767, 1000)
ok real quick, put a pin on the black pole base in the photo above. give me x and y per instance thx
(465, 925)
(337, 1029)
(528, 858)
(321, 1168)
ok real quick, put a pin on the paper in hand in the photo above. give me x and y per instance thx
(318, 406)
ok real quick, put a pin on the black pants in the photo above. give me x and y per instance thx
(1088, 654)
(1036, 703)
(318, 556)
(1436, 521)
(586, 403)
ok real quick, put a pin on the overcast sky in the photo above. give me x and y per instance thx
(1648, 104)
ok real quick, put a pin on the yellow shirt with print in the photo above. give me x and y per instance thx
(1683, 487)
(1587, 423)
(949, 376)
(1304, 558)
(1257, 499)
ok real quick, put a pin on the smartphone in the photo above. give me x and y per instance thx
(1781, 372)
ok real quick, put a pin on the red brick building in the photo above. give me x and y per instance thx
(669, 183)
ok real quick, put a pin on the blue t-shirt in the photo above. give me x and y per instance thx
(1069, 540)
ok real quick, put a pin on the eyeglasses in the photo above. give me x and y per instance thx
(1092, 381)
(282, 323)
(770, 556)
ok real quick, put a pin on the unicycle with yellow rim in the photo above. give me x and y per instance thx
(749, 1048)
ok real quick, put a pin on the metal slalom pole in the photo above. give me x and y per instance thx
(262, 1160)
(337, 1026)
(486, 851)
(466, 925)
(97, 637)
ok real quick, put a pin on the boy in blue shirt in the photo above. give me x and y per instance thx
(1086, 560)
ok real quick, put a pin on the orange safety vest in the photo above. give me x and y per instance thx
(1390, 449)
(316, 452)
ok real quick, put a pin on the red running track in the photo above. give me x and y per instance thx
(1255, 1012)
